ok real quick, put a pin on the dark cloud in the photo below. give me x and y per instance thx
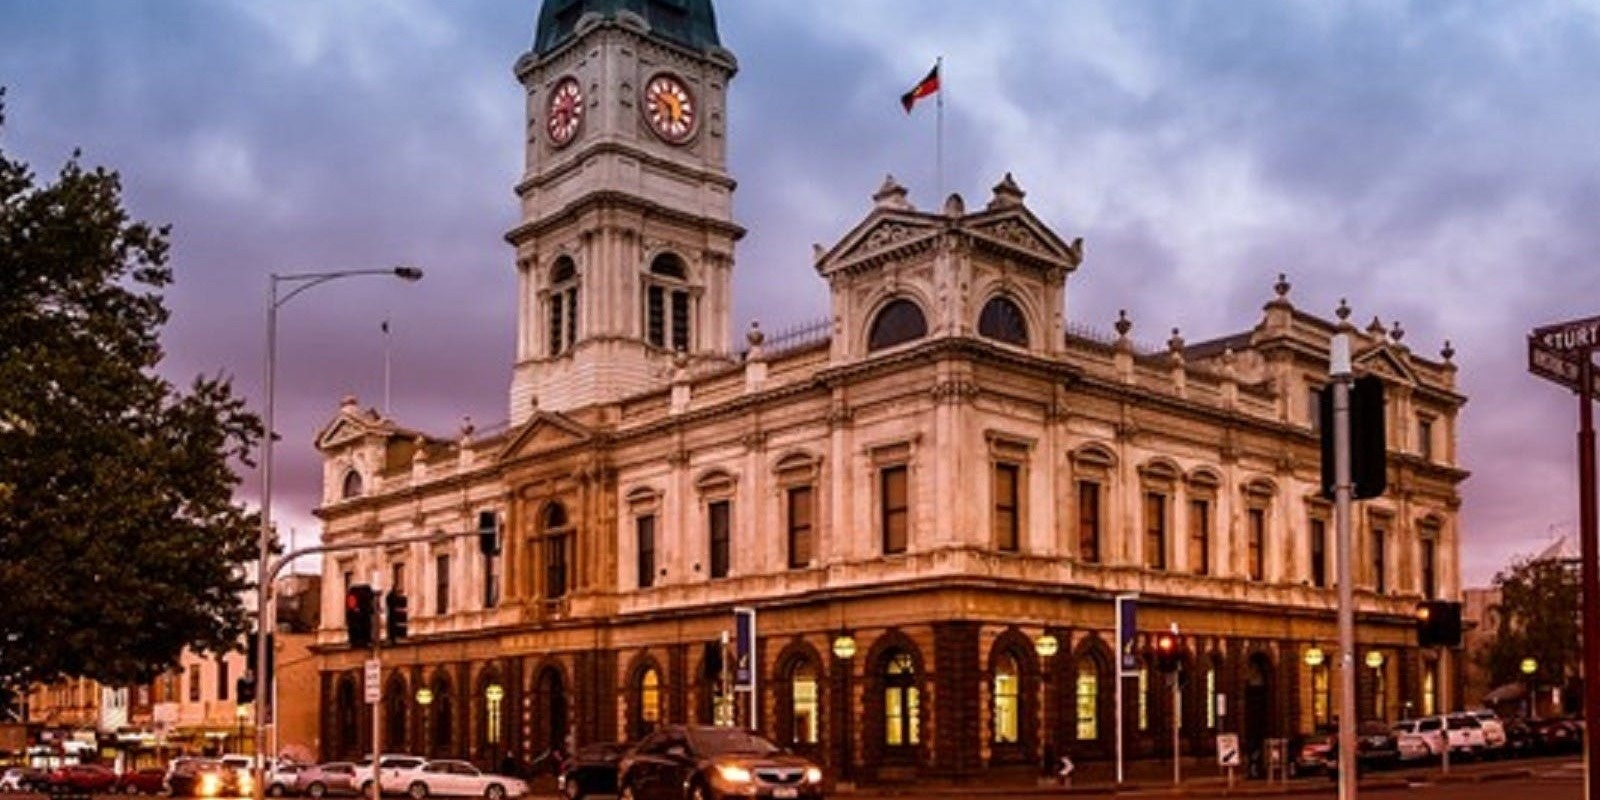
(1432, 163)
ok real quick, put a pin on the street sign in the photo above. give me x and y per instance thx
(744, 645)
(371, 675)
(1559, 367)
(1227, 749)
(1574, 336)
(1127, 629)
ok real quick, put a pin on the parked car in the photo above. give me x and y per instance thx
(1466, 736)
(1520, 739)
(1376, 748)
(1552, 736)
(23, 779)
(208, 777)
(149, 780)
(1428, 729)
(591, 770)
(451, 778)
(332, 778)
(704, 762)
(1494, 731)
(91, 778)
(1311, 757)
(390, 769)
(282, 778)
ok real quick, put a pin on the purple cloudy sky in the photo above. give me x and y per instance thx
(1435, 163)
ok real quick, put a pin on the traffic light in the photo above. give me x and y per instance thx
(244, 690)
(1167, 658)
(250, 658)
(359, 607)
(395, 617)
(1369, 454)
(489, 533)
(1438, 623)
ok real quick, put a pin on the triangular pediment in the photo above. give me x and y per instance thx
(351, 425)
(546, 431)
(1383, 361)
(1015, 229)
(884, 234)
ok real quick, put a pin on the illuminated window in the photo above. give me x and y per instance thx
(803, 694)
(1144, 699)
(1211, 696)
(1088, 700)
(1430, 696)
(1321, 696)
(1006, 710)
(901, 703)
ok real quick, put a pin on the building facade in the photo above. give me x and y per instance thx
(915, 496)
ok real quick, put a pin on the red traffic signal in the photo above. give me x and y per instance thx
(1167, 659)
(360, 606)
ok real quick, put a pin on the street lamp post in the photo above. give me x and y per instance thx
(300, 281)
(1530, 667)
(1047, 645)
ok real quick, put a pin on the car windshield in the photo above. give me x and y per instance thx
(1458, 723)
(719, 741)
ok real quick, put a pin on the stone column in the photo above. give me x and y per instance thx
(956, 716)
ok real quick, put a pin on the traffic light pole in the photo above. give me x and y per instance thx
(1339, 371)
(265, 694)
(1590, 552)
(377, 707)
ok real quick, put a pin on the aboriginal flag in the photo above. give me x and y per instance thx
(924, 87)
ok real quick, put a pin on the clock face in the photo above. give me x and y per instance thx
(565, 112)
(670, 108)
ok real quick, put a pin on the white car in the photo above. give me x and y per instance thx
(1494, 731)
(391, 772)
(1429, 730)
(11, 781)
(1466, 735)
(450, 778)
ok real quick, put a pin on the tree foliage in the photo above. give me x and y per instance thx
(120, 540)
(1538, 618)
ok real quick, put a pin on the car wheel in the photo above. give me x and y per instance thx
(366, 789)
(275, 790)
(417, 790)
(697, 792)
(316, 791)
(626, 793)
(495, 792)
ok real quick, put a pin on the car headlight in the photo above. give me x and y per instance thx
(246, 783)
(813, 775)
(733, 773)
(209, 785)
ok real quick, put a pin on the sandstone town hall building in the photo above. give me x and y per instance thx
(913, 497)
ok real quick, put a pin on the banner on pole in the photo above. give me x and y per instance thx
(744, 646)
(1127, 629)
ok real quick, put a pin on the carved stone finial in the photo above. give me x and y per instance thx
(1375, 328)
(1007, 193)
(818, 251)
(1447, 352)
(954, 206)
(1123, 324)
(1396, 333)
(755, 337)
(1343, 311)
(467, 427)
(891, 194)
(1175, 344)
(1281, 288)
(349, 402)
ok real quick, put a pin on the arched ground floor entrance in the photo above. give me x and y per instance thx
(888, 686)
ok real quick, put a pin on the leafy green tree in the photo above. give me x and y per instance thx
(120, 540)
(1538, 617)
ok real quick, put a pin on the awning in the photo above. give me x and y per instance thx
(1506, 693)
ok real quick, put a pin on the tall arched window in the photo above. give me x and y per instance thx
(667, 303)
(345, 716)
(1321, 696)
(1086, 692)
(395, 704)
(1001, 319)
(563, 305)
(902, 702)
(898, 322)
(1006, 700)
(803, 696)
(556, 530)
(442, 714)
(646, 702)
(353, 486)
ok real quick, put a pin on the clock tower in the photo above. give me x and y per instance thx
(625, 243)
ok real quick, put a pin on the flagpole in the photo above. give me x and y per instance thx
(938, 146)
(386, 367)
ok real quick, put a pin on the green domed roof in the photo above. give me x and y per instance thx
(690, 23)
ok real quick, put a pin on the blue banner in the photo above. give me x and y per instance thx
(1127, 629)
(744, 646)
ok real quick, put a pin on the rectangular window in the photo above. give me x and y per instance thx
(800, 527)
(720, 523)
(555, 565)
(572, 317)
(1006, 526)
(222, 677)
(1089, 522)
(1155, 531)
(491, 581)
(645, 530)
(194, 683)
(680, 320)
(1380, 583)
(397, 577)
(557, 324)
(1425, 438)
(1256, 547)
(1429, 554)
(1319, 553)
(656, 316)
(1200, 536)
(441, 585)
(896, 508)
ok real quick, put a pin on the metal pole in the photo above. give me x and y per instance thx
(1339, 369)
(1116, 670)
(1177, 719)
(377, 705)
(1591, 570)
(1444, 709)
(263, 581)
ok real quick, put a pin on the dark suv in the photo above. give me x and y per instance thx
(704, 762)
